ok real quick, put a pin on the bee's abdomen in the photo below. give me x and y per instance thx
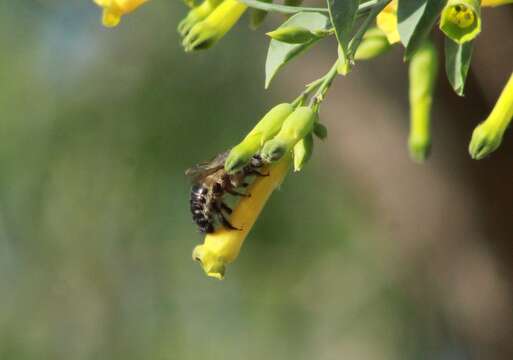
(201, 209)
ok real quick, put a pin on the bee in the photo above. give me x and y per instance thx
(210, 183)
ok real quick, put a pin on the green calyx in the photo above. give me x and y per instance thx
(423, 70)
(461, 20)
(302, 152)
(297, 125)
(487, 136)
(264, 130)
(292, 35)
(195, 15)
(206, 33)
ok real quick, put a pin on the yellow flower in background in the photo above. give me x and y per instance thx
(113, 10)
(387, 22)
(492, 3)
(223, 246)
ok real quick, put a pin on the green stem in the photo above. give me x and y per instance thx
(285, 9)
(308, 89)
(327, 80)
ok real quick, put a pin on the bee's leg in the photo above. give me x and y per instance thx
(226, 208)
(233, 192)
(244, 184)
(224, 221)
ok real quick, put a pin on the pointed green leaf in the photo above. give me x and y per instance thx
(457, 63)
(342, 15)
(415, 20)
(280, 53)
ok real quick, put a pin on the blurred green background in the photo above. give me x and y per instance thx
(364, 255)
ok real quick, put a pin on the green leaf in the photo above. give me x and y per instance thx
(342, 15)
(415, 19)
(457, 63)
(280, 53)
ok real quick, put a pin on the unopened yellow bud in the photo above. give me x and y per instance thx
(209, 31)
(487, 136)
(264, 130)
(461, 20)
(292, 35)
(423, 69)
(223, 246)
(387, 22)
(113, 10)
(296, 127)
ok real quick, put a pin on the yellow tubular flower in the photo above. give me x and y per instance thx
(493, 3)
(223, 246)
(387, 22)
(113, 10)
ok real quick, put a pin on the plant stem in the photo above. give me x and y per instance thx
(285, 9)
(325, 85)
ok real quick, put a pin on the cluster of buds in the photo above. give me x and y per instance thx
(282, 137)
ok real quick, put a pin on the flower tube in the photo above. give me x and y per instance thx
(223, 246)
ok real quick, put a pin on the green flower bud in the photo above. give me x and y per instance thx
(320, 131)
(487, 136)
(302, 152)
(196, 15)
(423, 69)
(265, 130)
(292, 35)
(374, 43)
(461, 20)
(296, 127)
(258, 16)
(209, 31)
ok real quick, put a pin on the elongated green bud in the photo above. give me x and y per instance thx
(258, 16)
(264, 130)
(423, 69)
(374, 43)
(302, 152)
(196, 15)
(292, 35)
(461, 20)
(209, 31)
(296, 127)
(487, 136)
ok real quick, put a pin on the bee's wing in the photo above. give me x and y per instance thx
(200, 171)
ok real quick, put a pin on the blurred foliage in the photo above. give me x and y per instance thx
(95, 233)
